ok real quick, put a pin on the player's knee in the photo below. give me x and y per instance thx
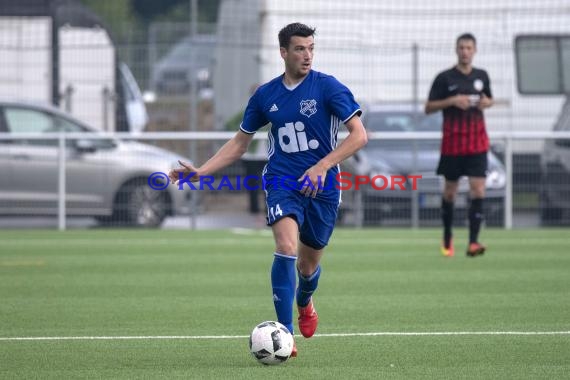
(449, 196)
(477, 195)
(450, 192)
(286, 246)
(477, 192)
(307, 268)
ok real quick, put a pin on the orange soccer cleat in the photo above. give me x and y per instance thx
(308, 320)
(475, 249)
(447, 252)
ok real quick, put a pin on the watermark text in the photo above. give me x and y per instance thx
(342, 181)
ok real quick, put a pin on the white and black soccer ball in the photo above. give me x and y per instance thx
(271, 343)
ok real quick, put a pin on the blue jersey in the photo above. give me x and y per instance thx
(304, 125)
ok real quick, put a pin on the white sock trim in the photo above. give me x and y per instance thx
(288, 257)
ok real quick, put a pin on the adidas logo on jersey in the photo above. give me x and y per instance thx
(293, 139)
(273, 108)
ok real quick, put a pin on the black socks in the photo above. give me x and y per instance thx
(475, 218)
(447, 218)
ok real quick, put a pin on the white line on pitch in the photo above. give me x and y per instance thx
(167, 337)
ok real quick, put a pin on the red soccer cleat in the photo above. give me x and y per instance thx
(294, 350)
(308, 320)
(475, 249)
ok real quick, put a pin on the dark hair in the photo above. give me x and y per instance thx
(295, 29)
(466, 36)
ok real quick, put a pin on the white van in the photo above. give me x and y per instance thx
(388, 51)
(60, 53)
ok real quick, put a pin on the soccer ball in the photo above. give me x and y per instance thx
(271, 343)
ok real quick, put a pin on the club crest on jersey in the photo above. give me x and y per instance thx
(308, 107)
(478, 85)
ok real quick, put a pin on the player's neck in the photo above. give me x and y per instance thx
(290, 80)
(464, 68)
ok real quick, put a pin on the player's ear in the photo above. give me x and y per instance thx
(283, 52)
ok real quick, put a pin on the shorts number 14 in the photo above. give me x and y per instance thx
(275, 211)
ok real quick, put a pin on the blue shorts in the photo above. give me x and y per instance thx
(316, 218)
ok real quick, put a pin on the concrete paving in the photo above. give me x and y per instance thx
(214, 220)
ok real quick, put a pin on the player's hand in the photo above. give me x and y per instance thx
(313, 181)
(461, 102)
(183, 171)
(485, 102)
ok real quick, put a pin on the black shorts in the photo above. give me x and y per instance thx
(453, 167)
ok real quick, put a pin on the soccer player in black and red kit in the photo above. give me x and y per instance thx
(462, 93)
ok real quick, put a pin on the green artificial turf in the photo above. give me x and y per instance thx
(180, 304)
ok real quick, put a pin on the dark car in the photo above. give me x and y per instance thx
(192, 54)
(396, 158)
(555, 168)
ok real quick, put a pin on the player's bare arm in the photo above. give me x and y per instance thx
(459, 101)
(228, 153)
(485, 102)
(356, 139)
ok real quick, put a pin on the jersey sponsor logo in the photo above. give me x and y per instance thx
(308, 107)
(478, 85)
(273, 108)
(293, 139)
(452, 87)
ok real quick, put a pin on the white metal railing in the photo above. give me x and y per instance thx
(507, 137)
(498, 135)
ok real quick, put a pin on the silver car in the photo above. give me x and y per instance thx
(105, 178)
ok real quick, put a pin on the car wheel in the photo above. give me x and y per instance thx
(139, 205)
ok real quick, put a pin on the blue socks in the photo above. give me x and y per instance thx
(283, 279)
(307, 286)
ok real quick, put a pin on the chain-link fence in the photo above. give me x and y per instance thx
(120, 181)
(188, 72)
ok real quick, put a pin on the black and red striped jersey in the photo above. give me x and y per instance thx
(464, 132)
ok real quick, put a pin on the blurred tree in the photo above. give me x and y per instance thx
(116, 14)
(129, 22)
(152, 10)
(208, 10)
(148, 10)
(124, 16)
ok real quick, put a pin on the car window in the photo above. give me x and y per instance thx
(26, 120)
(71, 127)
(21, 120)
(127, 91)
(68, 126)
(563, 122)
(402, 122)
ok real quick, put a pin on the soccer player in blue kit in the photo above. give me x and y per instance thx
(305, 109)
